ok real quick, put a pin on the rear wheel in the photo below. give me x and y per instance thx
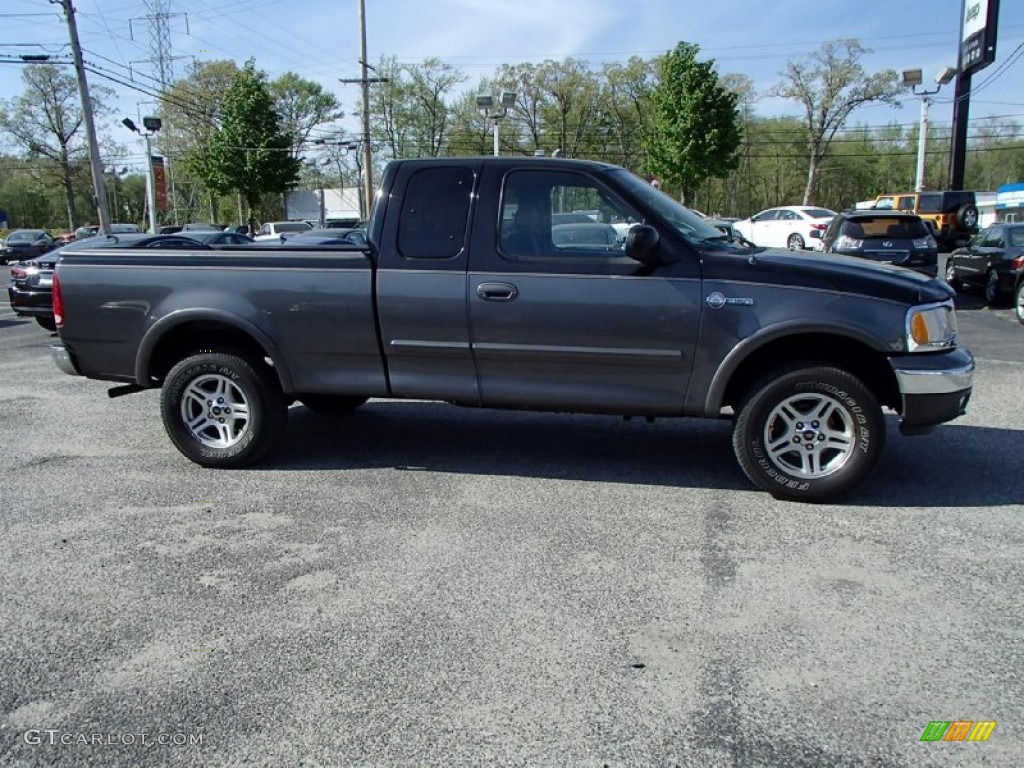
(48, 323)
(332, 405)
(992, 293)
(795, 243)
(810, 434)
(221, 410)
(1018, 302)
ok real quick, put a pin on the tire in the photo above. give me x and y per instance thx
(992, 293)
(951, 278)
(967, 216)
(1018, 302)
(332, 405)
(795, 242)
(48, 323)
(777, 421)
(219, 438)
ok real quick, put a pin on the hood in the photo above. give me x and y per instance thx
(826, 271)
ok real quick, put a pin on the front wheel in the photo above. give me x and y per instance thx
(1018, 302)
(220, 410)
(795, 243)
(809, 435)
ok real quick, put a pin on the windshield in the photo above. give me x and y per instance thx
(689, 224)
(22, 237)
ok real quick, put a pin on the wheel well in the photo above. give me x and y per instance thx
(862, 361)
(201, 336)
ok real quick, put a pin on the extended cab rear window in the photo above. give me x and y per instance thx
(435, 211)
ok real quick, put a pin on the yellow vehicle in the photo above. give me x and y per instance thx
(952, 215)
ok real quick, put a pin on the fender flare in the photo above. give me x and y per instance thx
(159, 330)
(742, 351)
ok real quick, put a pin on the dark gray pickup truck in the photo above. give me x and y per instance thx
(476, 288)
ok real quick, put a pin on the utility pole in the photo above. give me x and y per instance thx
(365, 81)
(96, 166)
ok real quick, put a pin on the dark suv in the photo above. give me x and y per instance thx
(887, 236)
(953, 215)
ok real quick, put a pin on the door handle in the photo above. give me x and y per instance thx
(497, 291)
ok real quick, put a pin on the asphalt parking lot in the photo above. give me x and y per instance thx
(418, 584)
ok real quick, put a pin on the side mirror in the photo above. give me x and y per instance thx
(642, 243)
(815, 234)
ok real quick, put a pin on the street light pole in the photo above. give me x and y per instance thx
(152, 125)
(486, 106)
(922, 139)
(912, 77)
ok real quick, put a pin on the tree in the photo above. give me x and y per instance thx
(694, 131)
(249, 153)
(830, 86)
(626, 96)
(190, 111)
(46, 120)
(303, 105)
(411, 112)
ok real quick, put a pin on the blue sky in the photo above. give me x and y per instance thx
(319, 39)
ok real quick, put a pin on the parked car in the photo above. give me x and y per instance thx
(218, 238)
(30, 290)
(887, 236)
(788, 226)
(349, 223)
(273, 230)
(992, 260)
(314, 237)
(87, 231)
(953, 214)
(27, 244)
(568, 237)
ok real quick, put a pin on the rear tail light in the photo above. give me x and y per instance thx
(18, 273)
(58, 303)
(1017, 263)
(819, 226)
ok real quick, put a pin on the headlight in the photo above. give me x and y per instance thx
(931, 327)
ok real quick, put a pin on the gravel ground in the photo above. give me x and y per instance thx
(418, 584)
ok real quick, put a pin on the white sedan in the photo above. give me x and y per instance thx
(788, 226)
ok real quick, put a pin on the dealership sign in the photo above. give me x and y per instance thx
(978, 24)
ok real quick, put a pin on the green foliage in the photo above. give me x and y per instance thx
(303, 105)
(672, 116)
(410, 113)
(46, 122)
(695, 128)
(249, 153)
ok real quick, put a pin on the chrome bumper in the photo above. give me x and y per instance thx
(62, 358)
(936, 381)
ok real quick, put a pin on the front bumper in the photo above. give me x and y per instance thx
(64, 360)
(934, 388)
